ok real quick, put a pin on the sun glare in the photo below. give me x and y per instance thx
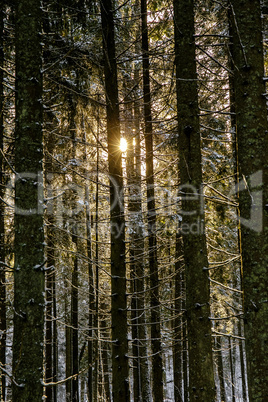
(123, 145)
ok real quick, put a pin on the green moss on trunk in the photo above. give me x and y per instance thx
(252, 128)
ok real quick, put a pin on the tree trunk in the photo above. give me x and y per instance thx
(54, 337)
(74, 330)
(139, 241)
(91, 297)
(157, 365)
(252, 128)
(96, 307)
(74, 281)
(68, 348)
(29, 232)
(236, 173)
(49, 331)
(50, 275)
(117, 221)
(232, 374)
(201, 376)
(2, 222)
(219, 362)
(178, 322)
(132, 223)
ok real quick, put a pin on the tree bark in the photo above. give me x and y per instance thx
(120, 367)
(75, 273)
(68, 348)
(201, 376)
(178, 323)
(29, 232)
(91, 297)
(252, 128)
(49, 332)
(3, 326)
(96, 307)
(157, 365)
(139, 239)
(50, 277)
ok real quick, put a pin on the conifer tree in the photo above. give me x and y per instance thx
(117, 219)
(252, 129)
(2, 220)
(201, 377)
(29, 232)
(157, 369)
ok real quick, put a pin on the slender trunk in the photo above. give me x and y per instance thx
(219, 360)
(120, 367)
(54, 337)
(74, 331)
(235, 160)
(48, 333)
(242, 361)
(74, 280)
(178, 334)
(2, 222)
(143, 367)
(201, 376)
(91, 298)
(128, 119)
(96, 312)
(232, 376)
(252, 128)
(68, 349)
(157, 365)
(105, 358)
(185, 365)
(50, 278)
(29, 280)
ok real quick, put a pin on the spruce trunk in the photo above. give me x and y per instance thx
(252, 128)
(2, 222)
(29, 232)
(157, 365)
(201, 376)
(120, 367)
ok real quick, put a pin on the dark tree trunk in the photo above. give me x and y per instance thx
(74, 331)
(29, 232)
(201, 376)
(50, 278)
(2, 222)
(91, 297)
(49, 332)
(75, 273)
(131, 197)
(236, 173)
(157, 365)
(96, 301)
(120, 367)
(185, 365)
(105, 350)
(252, 128)
(68, 348)
(143, 368)
(54, 337)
